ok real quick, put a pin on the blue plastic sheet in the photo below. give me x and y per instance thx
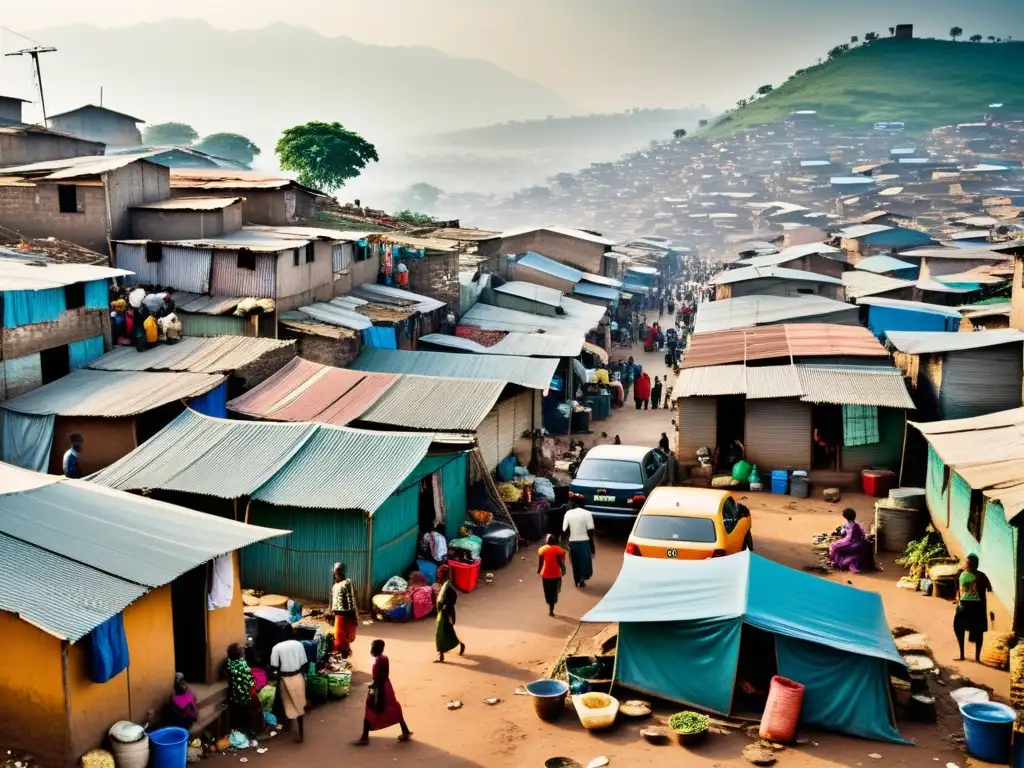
(97, 295)
(28, 307)
(25, 439)
(383, 338)
(213, 403)
(81, 353)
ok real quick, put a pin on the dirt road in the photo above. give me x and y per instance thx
(511, 640)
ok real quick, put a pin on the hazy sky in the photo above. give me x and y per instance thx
(599, 54)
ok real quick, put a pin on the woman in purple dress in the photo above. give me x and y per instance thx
(854, 552)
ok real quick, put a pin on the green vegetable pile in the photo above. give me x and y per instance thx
(689, 722)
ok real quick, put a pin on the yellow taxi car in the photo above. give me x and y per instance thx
(690, 524)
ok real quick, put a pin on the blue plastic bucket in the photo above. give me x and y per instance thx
(168, 748)
(1018, 751)
(988, 730)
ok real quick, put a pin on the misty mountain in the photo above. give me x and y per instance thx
(258, 82)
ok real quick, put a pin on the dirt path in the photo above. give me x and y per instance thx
(511, 640)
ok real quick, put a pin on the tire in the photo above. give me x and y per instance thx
(748, 543)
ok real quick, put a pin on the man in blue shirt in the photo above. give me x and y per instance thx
(71, 458)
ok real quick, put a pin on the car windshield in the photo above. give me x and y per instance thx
(610, 471)
(700, 530)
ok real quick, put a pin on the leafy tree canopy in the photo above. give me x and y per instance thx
(165, 134)
(232, 146)
(679, 133)
(325, 155)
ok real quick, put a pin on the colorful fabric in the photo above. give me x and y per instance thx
(343, 597)
(344, 633)
(853, 552)
(108, 650)
(241, 683)
(382, 707)
(553, 559)
(860, 425)
(968, 587)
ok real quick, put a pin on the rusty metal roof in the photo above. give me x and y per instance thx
(308, 391)
(189, 204)
(218, 354)
(787, 340)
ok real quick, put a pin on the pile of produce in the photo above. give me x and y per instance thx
(689, 722)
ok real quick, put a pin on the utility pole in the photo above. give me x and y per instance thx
(34, 53)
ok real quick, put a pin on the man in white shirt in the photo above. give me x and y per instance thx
(579, 524)
(288, 658)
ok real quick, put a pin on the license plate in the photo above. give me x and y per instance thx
(671, 553)
(598, 497)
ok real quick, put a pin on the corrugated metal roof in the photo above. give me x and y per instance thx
(981, 253)
(913, 306)
(357, 400)
(710, 381)
(854, 385)
(531, 292)
(251, 239)
(567, 231)
(858, 283)
(609, 282)
(100, 549)
(426, 402)
(882, 263)
(202, 304)
(764, 310)
(514, 344)
(779, 273)
(500, 319)
(582, 311)
(333, 314)
(36, 275)
(550, 266)
(75, 167)
(219, 354)
(387, 294)
(934, 342)
(772, 381)
(791, 340)
(863, 230)
(792, 254)
(602, 292)
(299, 465)
(190, 204)
(534, 373)
(85, 392)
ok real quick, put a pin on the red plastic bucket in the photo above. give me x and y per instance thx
(782, 712)
(464, 577)
(877, 482)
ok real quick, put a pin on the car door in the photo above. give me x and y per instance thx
(654, 471)
(731, 523)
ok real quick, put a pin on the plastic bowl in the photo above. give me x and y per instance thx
(596, 718)
(548, 698)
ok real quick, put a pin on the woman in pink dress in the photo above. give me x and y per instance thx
(382, 707)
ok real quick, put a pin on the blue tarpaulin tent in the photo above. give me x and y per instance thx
(680, 624)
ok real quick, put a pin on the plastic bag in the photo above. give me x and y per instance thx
(542, 486)
(741, 471)
(126, 732)
(152, 333)
(395, 584)
(267, 694)
(238, 740)
(339, 684)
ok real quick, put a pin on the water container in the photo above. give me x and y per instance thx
(1018, 750)
(988, 730)
(780, 481)
(168, 748)
(798, 487)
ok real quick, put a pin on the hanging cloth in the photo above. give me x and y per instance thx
(438, 491)
(222, 583)
(108, 650)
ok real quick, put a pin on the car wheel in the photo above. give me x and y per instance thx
(748, 543)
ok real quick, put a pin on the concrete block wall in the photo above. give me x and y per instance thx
(34, 211)
(436, 276)
(73, 325)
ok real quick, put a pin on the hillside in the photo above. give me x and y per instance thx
(624, 129)
(260, 81)
(923, 83)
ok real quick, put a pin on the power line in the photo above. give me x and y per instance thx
(23, 37)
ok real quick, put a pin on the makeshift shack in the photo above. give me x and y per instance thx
(687, 630)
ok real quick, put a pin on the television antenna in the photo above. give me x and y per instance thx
(34, 53)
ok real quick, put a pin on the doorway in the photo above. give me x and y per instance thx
(756, 667)
(188, 610)
(826, 436)
(54, 363)
(731, 426)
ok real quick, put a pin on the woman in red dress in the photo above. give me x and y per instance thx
(382, 707)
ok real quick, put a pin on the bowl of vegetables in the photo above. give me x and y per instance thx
(690, 727)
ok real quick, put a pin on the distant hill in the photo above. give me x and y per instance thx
(260, 81)
(923, 83)
(626, 129)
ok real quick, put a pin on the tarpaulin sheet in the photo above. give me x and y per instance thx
(377, 336)
(97, 295)
(29, 307)
(648, 656)
(213, 403)
(844, 692)
(25, 439)
(81, 353)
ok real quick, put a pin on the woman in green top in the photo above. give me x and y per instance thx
(971, 618)
(445, 637)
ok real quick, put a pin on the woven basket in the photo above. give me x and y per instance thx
(782, 712)
(1017, 677)
(132, 755)
(995, 652)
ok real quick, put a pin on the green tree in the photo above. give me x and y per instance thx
(976, 38)
(232, 146)
(422, 195)
(679, 133)
(870, 37)
(764, 90)
(854, 39)
(165, 134)
(955, 32)
(325, 155)
(991, 38)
